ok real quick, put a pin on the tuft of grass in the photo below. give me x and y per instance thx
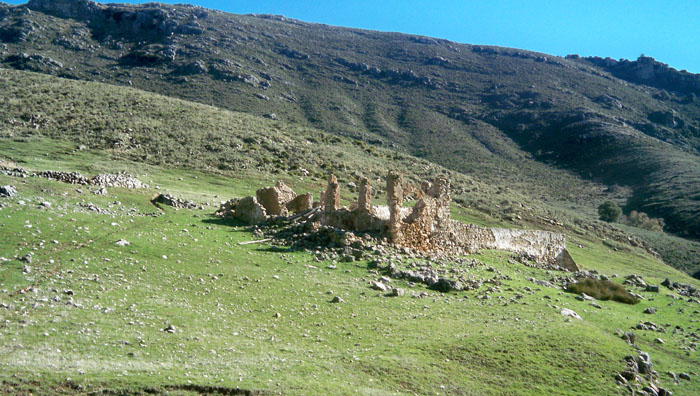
(602, 290)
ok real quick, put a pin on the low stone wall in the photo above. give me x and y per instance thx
(543, 244)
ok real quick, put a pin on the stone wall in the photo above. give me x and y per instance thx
(426, 226)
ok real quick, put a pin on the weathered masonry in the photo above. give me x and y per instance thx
(426, 226)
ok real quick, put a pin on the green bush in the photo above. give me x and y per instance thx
(603, 290)
(642, 220)
(609, 211)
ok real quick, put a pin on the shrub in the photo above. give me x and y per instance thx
(642, 220)
(609, 211)
(603, 290)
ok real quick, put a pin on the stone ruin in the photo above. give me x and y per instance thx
(279, 200)
(425, 227)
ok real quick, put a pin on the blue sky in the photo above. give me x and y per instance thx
(667, 30)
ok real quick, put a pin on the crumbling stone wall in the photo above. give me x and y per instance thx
(275, 199)
(247, 210)
(331, 198)
(394, 199)
(427, 226)
(301, 203)
(360, 216)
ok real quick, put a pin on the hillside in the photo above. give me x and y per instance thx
(493, 112)
(130, 124)
(108, 294)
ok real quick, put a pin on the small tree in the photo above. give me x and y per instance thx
(609, 211)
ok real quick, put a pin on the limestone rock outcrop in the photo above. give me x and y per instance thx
(65, 8)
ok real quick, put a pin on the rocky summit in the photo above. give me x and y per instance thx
(200, 203)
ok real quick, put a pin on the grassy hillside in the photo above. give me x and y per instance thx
(142, 127)
(514, 113)
(89, 316)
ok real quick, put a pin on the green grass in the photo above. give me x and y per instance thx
(224, 297)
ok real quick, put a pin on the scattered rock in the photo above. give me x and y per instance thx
(122, 242)
(630, 338)
(650, 310)
(635, 280)
(8, 191)
(337, 300)
(397, 292)
(674, 376)
(570, 313)
(376, 285)
(682, 289)
(170, 329)
(175, 202)
(584, 297)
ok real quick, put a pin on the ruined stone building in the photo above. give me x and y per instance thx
(427, 226)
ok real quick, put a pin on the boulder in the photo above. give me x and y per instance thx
(570, 313)
(8, 191)
(376, 285)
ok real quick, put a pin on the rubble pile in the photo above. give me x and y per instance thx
(13, 171)
(685, 290)
(173, 201)
(639, 377)
(120, 179)
(64, 177)
(276, 201)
